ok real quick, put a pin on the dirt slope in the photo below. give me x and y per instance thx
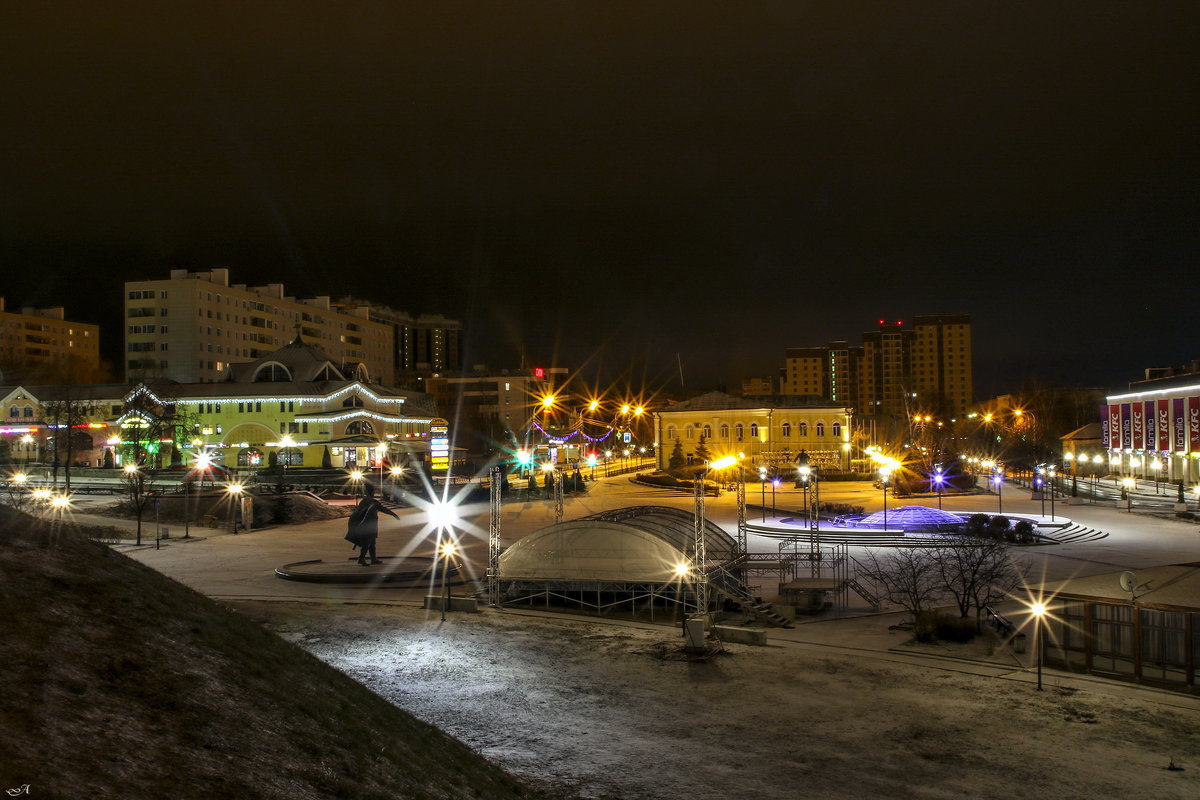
(119, 683)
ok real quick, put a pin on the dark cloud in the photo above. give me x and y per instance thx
(713, 180)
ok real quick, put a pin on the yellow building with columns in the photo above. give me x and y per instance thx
(767, 430)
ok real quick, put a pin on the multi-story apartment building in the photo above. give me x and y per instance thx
(495, 411)
(941, 360)
(894, 370)
(41, 345)
(426, 345)
(190, 327)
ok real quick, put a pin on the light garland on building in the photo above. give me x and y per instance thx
(354, 387)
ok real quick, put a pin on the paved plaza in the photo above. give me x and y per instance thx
(224, 565)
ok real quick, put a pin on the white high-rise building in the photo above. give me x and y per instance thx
(190, 327)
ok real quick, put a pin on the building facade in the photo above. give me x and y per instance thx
(424, 346)
(495, 410)
(59, 424)
(767, 431)
(40, 345)
(1147, 633)
(1153, 431)
(893, 371)
(293, 407)
(192, 326)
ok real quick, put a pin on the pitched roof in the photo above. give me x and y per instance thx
(720, 401)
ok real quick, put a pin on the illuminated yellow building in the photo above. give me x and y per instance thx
(766, 430)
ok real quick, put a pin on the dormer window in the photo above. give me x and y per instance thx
(272, 372)
(353, 401)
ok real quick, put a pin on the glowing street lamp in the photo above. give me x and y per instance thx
(234, 493)
(356, 477)
(939, 478)
(523, 459)
(762, 483)
(885, 474)
(998, 482)
(1039, 611)
(443, 516)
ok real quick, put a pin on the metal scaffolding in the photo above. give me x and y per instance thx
(493, 573)
(557, 482)
(699, 554)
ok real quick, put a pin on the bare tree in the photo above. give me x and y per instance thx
(975, 571)
(151, 418)
(66, 410)
(910, 578)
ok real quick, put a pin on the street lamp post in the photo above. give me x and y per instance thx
(762, 484)
(774, 486)
(805, 472)
(939, 479)
(395, 474)
(884, 474)
(448, 551)
(443, 516)
(1039, 610)
(1052, 488)
(234, 491)
(1040, 483)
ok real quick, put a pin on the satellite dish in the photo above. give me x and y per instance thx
(1128, 581)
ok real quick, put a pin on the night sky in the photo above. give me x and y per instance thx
(614, 186)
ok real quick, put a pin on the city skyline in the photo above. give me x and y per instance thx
(624, 190)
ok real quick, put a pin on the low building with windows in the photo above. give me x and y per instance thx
(291, 407)
(296, 407)
(767, 430)
(36, 420)
(1142, 626)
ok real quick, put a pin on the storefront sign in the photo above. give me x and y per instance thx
(1194, 423)
(1164, 425)
(1179, 421)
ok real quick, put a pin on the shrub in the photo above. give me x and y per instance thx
(1022, 532)
(955, 629)
(925, 626)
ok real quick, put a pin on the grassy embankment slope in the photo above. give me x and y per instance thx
(118, 682)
